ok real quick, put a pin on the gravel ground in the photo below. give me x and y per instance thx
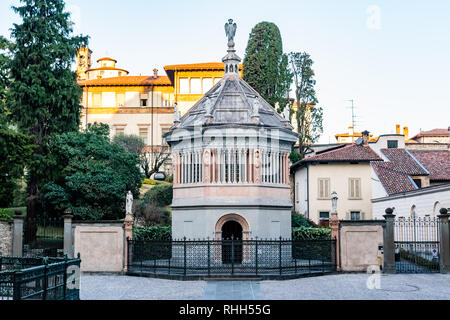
(336, 287)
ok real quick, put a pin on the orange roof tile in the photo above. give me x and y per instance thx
(127, 81)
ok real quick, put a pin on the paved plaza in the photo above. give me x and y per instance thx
(335, 287)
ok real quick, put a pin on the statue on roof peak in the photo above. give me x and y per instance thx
(230, 31)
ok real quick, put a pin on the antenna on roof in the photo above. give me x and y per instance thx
(353, 113)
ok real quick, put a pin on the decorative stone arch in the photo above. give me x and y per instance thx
(232, 217)
(245, 235)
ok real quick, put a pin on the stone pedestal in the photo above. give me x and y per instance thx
(444, 249)
(17, 249)
(334, 224)
(68, 236)
(388, 242)
(128, 227)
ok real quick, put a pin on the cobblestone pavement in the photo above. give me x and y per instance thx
(340, 287)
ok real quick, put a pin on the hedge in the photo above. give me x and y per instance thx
(311, 233)
(152, 233)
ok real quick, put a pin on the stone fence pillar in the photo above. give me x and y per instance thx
(388, 242)
(17, 247)
(334, 223)
(444, 249)
(128, 227)
(68, 236)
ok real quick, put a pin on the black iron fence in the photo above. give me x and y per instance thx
(417, 242)
(25, 278)
(202, 258)
(48, 239)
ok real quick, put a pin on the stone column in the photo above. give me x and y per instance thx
(128, 228)
(17, 248)
(444, 244)
(388, 242)
(334, 224)
(68, 237)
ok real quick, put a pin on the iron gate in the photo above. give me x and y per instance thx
(417, 243)
(203, 258)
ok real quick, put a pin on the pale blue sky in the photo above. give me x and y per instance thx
(396, 67)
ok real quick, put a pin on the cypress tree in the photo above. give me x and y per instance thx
(44, 97)
(265, 66)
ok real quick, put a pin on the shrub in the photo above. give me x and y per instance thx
(150, 214)
(160, 194)
(299, 220)
(152, 233)
(6, 214)
(311, 233)
(149, 181)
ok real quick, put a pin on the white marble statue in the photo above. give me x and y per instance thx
(129, 202)
(176, 114)
(256, 105)
(286, 111)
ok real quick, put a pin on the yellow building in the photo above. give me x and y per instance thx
(141, 105)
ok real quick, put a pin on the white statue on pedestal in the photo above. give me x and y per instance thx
(129, 202)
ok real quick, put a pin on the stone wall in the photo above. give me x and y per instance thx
(361, 245)
(101, 246)
(6, 237)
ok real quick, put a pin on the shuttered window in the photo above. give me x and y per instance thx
(324, 188)
(354, 188)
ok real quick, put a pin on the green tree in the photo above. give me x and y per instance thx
(43, 96)
(266, 68)
(95, 174)
(15, 152)
(309, 116)
(15, 148)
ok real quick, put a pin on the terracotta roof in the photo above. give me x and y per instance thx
(405, 162)
(106, 68)
(437, 162)
(393, 179)
(350, 152)
(433, 133)
(127, 81)
(107, 58)
(199, 66)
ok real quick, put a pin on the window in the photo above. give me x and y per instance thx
(207, 84)
(97, 100)
(355, 215)
(324, 215)
(120, 130)
(324, 188)
(143, 102)
(354, 188)
(296, 192)
(418, 183)
(143, 133)
(184, 85)
(120, 100)
(196, 85)
(392, 144)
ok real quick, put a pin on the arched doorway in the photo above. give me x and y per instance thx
(231, 242)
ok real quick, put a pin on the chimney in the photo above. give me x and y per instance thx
(365, 137)
(350, 131)
(155, 73)
(397, 129)
(405, 132)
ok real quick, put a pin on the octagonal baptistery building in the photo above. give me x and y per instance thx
(230, 156)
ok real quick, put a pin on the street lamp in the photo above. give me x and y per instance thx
(334, 199)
